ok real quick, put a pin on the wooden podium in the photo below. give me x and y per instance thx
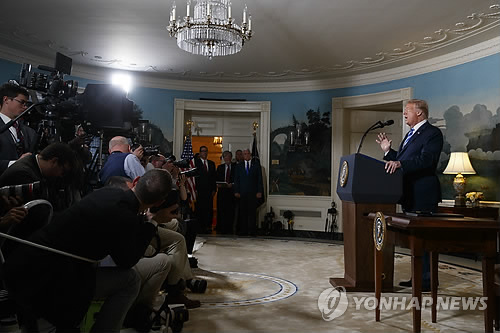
(364, 186)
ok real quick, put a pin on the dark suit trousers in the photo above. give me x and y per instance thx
(247, 215)
(204, 211)
(225, 210)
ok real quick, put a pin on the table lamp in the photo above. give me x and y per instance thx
(459, 164)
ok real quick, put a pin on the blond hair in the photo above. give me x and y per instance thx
(421, 105)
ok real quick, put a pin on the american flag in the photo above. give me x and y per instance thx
(187, 154)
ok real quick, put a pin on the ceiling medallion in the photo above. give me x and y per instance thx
(211, 31)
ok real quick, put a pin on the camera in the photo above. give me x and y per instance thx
(53, 84)
(59, 106)
(26, 192)
(172, 199)
(151, 150)
(182, 164)
(176, 317)
(191, 173)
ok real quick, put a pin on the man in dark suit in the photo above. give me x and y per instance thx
(205, 188)
(418, 157)
(52, 166)
(56, 161)
(19, 140)
(248, 188)
(225, 194)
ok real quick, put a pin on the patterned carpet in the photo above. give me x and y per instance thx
(272, 285)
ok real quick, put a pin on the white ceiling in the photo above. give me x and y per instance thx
(293, 40)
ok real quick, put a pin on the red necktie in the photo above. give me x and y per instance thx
(20, 140)
(228, 174)
(206, 167)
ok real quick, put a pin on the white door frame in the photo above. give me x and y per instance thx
(340, 114)
(261, 107)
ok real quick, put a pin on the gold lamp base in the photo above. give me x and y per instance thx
(459, 186)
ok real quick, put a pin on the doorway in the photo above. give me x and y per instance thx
(232, 120)
(352, 115)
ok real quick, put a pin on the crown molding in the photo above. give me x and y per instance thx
(473, 25)
(462, 56)
(452, 59)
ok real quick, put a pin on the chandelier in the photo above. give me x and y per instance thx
(211, 31)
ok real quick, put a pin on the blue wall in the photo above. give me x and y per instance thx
(476, 82)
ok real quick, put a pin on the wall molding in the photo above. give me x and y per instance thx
(468, 54)
(472, 53)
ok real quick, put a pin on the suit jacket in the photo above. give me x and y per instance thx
(8, 147)
(24, 171)
(221, 173)
(250, 183)
(419, 159)
(205, 183)
(103, 223)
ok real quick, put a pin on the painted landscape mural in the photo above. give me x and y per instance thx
(301, 155)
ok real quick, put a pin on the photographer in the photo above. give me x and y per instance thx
(173, 245)
(121, 161)
(53, 166)
(106, 222)
(19, 140)
(179, 179)
(157, 161)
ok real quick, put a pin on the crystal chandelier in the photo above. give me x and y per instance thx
(211, 31)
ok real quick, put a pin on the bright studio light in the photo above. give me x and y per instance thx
(122, 80)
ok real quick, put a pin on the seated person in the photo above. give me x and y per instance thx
(174, 245)
(105, 222)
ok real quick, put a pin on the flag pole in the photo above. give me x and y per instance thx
(255, 151)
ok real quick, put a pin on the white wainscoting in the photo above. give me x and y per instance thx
(315, 208)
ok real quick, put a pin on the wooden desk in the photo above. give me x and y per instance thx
(440, 235)
(482, 212)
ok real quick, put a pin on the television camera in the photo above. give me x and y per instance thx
(59, 107)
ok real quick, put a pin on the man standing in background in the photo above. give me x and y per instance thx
(225, 194)
(239, 156)
(206, 187)
(248, 187)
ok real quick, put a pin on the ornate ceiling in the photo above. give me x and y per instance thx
(293, 40)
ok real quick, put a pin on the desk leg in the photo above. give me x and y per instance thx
(416, 277)
(379, 262)
(488, 291)
(434, 283)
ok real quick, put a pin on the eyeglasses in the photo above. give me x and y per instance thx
(23, 103)
(203, 151)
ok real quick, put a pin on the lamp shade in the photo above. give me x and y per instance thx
(459, 163)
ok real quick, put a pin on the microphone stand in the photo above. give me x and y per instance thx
(10, 123)
(378, 124)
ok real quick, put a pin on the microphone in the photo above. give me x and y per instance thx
(378, 124)
(383, 124)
